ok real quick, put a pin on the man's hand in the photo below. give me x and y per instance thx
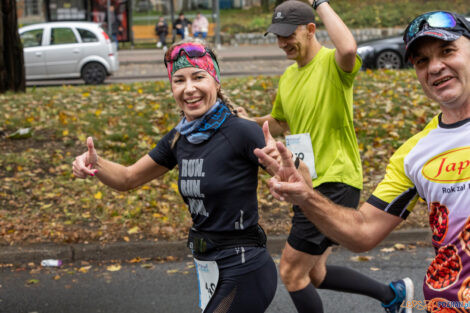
(287, 183)
(84, 163)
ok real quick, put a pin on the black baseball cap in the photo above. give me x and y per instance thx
(288, 16)
(447, 26)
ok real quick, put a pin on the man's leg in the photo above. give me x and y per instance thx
(340, 278)
(294, 270)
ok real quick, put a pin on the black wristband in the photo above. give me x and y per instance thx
(316, 3)
(297, 162)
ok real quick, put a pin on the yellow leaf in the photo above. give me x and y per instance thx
(19, 168)
(114, 268)
(140, 91)
(98, 112)
(126, 239)
(85, 94)
(133, 230)
(65, 132)
(399, 246)
(82, 137)
(361, 258)
(98, 195)
(172, 271)
(387, 249)
(174, 187)
(375, 269)
(86, 215)
(84, 269)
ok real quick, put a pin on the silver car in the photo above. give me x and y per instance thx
(68, 50)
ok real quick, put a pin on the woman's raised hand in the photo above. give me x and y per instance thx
(83, 166)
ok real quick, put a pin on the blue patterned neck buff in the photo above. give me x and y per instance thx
(203, 128)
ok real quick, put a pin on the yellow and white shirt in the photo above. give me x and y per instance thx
(435, 166)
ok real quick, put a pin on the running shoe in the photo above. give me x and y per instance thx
(404, 290)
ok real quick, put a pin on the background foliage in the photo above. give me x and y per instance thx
(355, 13)
(41, 201)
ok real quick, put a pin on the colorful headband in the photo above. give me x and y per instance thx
(192, 55)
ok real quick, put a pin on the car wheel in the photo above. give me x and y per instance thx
(388, 60)
(93, 73)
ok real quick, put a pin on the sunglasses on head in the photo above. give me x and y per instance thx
(192, 51)
(436, 19)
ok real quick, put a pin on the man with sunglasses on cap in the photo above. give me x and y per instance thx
(315, 102)
(433, 165)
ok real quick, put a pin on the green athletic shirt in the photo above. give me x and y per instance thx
(318, 99)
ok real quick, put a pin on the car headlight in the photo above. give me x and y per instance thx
(364, 51)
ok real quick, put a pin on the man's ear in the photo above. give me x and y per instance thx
(311, 28)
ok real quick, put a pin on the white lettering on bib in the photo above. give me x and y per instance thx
(207, 278)
(301, 146)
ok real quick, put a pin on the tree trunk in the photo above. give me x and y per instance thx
(265, 6)
(12, 72)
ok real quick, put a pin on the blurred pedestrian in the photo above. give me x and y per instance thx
(181, 25)
(212, 148)
(200, 26)
(315, 103)
(116, 25)
(161, 30)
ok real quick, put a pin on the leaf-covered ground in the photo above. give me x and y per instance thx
(41, 201)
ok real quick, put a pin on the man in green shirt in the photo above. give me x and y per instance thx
(315, 102)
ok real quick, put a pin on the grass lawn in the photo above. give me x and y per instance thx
(41, 201)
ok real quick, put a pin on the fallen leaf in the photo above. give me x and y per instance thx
(375, 269)
(391, 249)
(361, 258)
(399, 246)
(133, 230)
(84, 269)
(114, 268)
(32, 282)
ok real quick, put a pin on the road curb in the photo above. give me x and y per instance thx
(20, 255)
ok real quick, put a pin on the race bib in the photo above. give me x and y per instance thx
(301, 146)
(207, 277)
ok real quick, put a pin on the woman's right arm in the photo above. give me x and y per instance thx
(115, 175)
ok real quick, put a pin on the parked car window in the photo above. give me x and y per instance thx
(60, 36)
(32, 38)
(87, 36)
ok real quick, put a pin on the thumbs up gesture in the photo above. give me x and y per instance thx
(83, 166)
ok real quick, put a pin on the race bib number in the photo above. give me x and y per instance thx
(207, 277)
(301, 146)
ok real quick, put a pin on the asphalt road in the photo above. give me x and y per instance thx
(150, 286)
(153, 70)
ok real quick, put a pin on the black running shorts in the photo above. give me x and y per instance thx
(304, 236)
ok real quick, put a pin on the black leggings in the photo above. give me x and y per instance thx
(251, 292)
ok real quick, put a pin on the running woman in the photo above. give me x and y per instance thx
(218, 178)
